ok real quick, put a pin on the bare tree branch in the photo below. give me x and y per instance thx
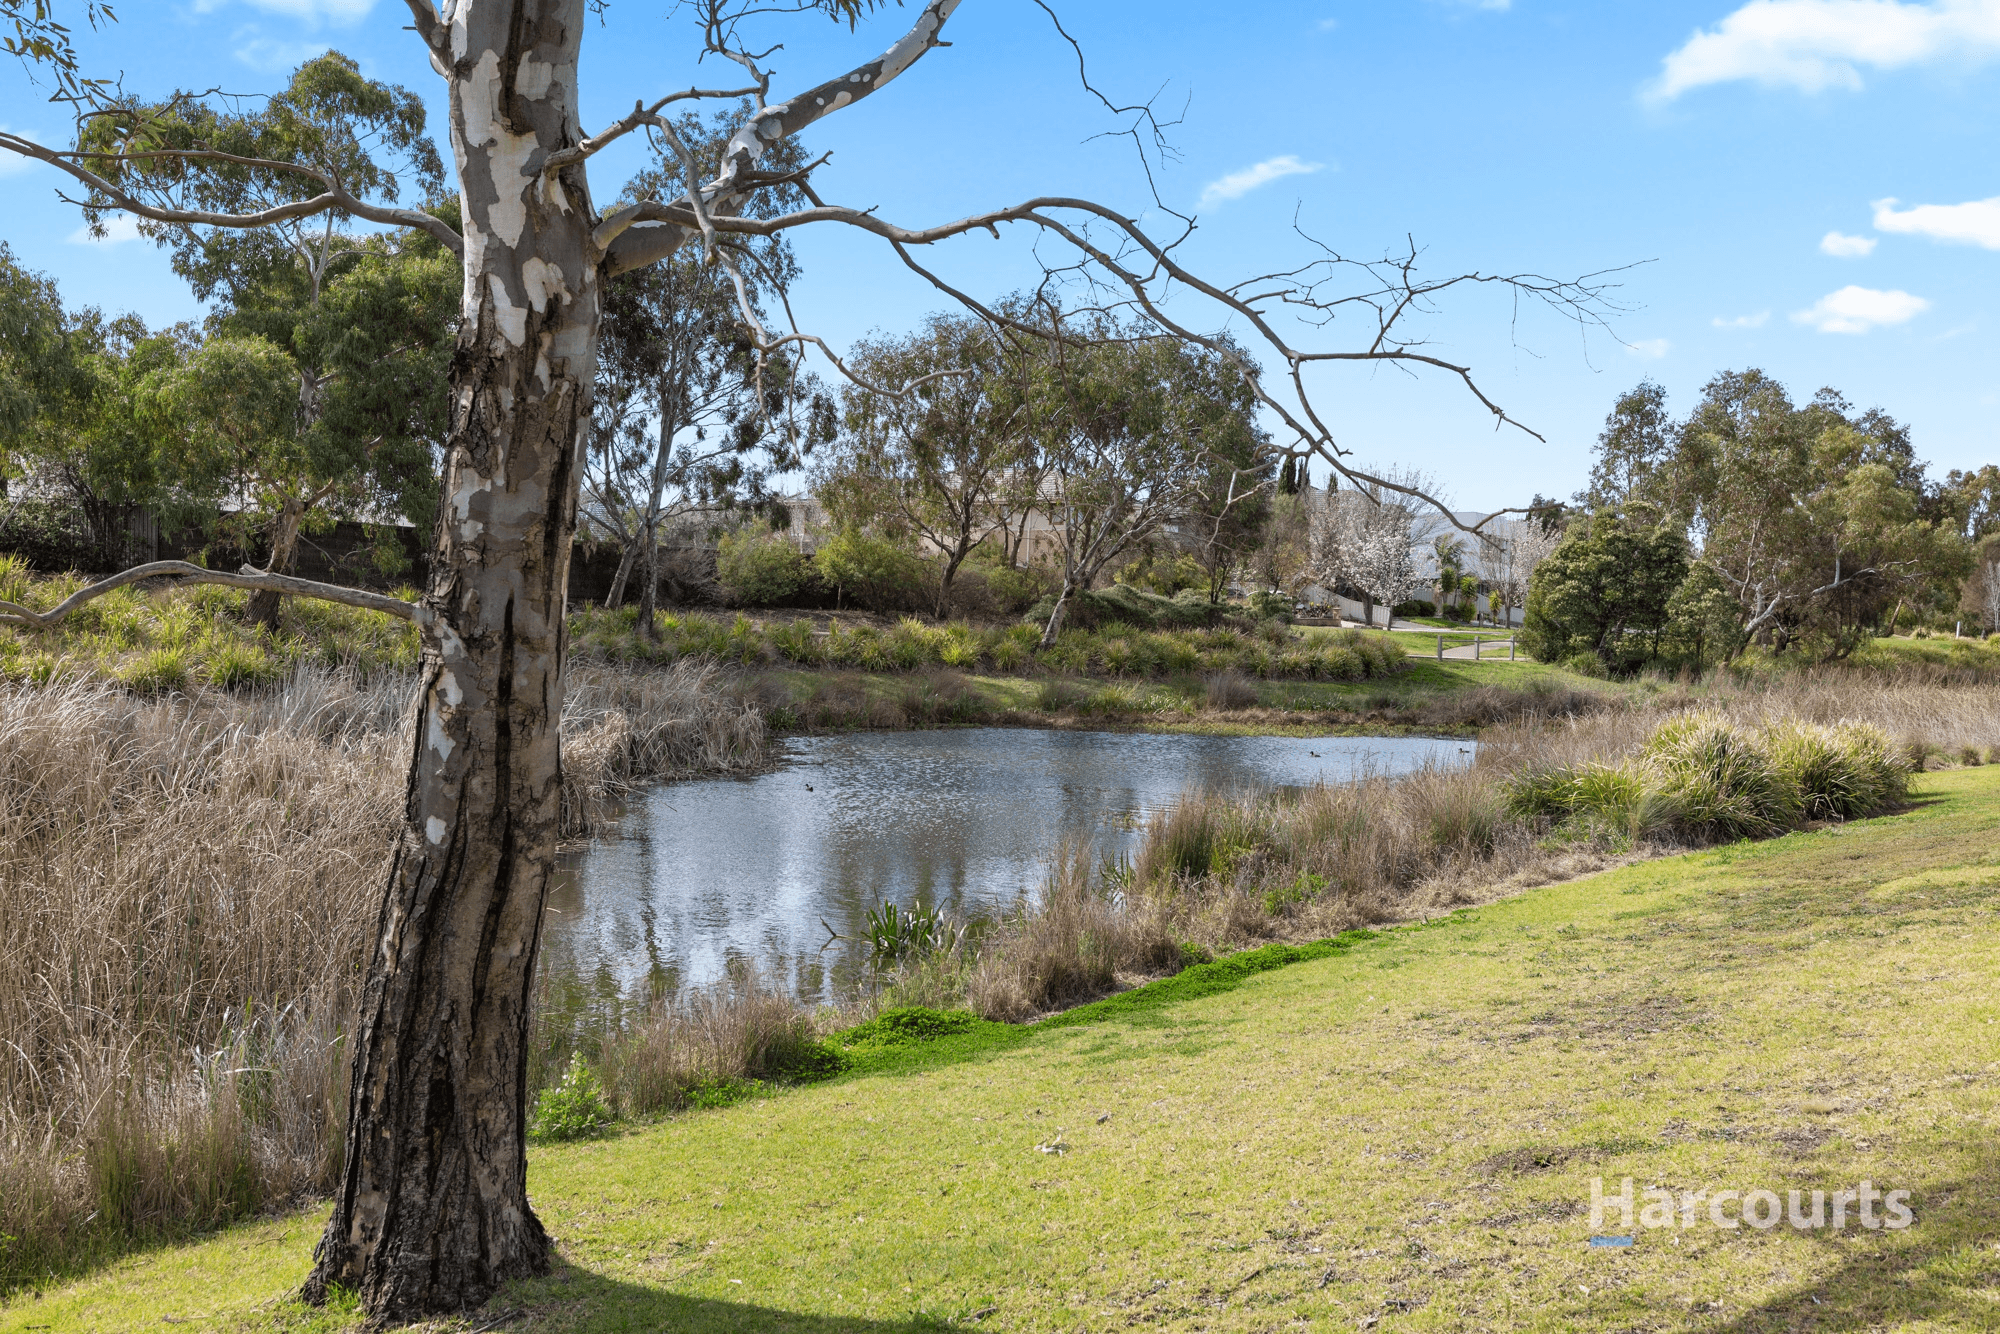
(335, 198)
(787, 118)
(248, 577)
(641, 114)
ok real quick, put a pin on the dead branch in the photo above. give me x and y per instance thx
(248, 577)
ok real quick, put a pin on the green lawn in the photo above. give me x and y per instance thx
(1405, 1134)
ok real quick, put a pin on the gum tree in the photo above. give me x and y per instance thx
(432, 1212)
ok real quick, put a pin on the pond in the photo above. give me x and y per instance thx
(719, 877)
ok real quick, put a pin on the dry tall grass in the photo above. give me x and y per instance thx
(188, 883)
(1079, 940)
(1225, 870)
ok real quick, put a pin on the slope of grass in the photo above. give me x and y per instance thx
(1402, 1132)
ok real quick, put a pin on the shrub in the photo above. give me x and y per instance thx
(876, 573)
(795, 642)
(1720, 779)
(234, 665)
(1010, 655)
(1227, 690)
(14, 577)
(1014, 591)
(157, 671)
(1841, 773)
(1271, 604)
(757, 569)
(573, 1109)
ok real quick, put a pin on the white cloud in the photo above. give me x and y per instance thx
(1239, 183)
(1858, 309)
(271, 54)
(1841, 246)
(13, 164)
(311, 12)
(1813, 45)
(1977, 223)
(118, 228)
(1742, 321)
(1328, 25)
(1652, 349)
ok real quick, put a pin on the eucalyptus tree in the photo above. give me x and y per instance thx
(432, 1212)
(689, 418)
(39, 372)
(937, 458)
(1816, 518)
(1128, 432)
(73, 393)
(1228, 502)
(365, 322)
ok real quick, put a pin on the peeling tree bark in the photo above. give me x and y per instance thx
(432, 1212)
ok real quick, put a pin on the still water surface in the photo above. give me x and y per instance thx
(714, 877)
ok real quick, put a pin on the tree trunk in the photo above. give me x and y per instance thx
(1054, 626)
(625, 559)
(649, 594)
(432, 1213)
(262, 608)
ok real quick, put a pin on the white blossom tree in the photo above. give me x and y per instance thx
(1508, 557)
(432, 1212)
(1363, 537)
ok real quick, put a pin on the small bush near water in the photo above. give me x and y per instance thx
(1706, 779)
(573, 1108)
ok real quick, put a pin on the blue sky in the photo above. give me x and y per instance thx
(1813, 185)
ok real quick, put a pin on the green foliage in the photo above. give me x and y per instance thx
(1117, 648)
(875, 573)
(1841, 772)
(1709, 780)
(895, 936)
(907, 1025)
(1720, 779)
(1165, 575)
(759, 569)
(1703, 621)
(1821, 517)
(157, 671)
(1272, 605)
(1604, 590)
(1014, 590)
(574, 1109)
(173, 640)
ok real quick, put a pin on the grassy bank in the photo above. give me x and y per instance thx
(191, 877)
(188, 880)
(1403, 1132)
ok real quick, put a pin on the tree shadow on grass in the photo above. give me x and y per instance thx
(1941, 1273)
(579, 1301)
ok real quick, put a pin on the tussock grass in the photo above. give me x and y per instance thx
(189, 881)
(709, 1047)
(1559, 790)
(1077, 942)
(167, 639)
(1112, 649)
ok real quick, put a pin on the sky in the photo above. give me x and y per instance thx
(1810, 187)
